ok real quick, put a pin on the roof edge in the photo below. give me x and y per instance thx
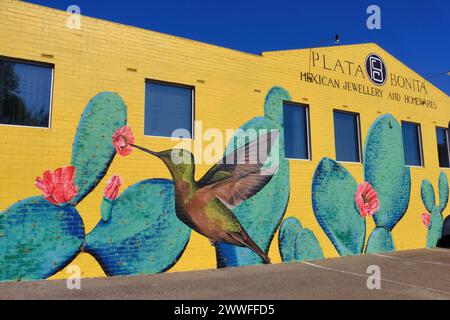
(287, 51)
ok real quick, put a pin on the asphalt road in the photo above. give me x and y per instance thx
(416, 274)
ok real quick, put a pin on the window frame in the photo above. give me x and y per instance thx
(172, 84)
(419, 137)
(308, 129)
(52, 82)
(448, 146)
(358, 131)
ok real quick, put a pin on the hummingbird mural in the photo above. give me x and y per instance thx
(206, 205)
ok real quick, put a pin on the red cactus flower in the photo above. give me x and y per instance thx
(122, 139)
(426, 219)
(367, 200)
(112, 188)
(58, 186)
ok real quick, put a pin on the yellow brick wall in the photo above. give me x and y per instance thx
(96, 58)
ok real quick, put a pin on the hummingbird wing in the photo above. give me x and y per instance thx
(238, 176)
(244, 159)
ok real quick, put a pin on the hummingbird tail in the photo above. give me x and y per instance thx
(262, 255)
(245, 239)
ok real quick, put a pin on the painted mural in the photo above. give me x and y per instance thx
(433, 219)
(384, 194)
(205, 205)
(239, 208)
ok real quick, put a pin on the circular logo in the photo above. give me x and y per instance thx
(376, 69)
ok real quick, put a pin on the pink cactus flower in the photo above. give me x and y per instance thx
(426, 219)
(367, 200)
(58, 187)
(112, 188)
(122, 139)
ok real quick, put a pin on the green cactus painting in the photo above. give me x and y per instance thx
(37, 239)
(341, 212)
(380, 240)
(333, 195)
(297, 243)
(433, 220)
(385, 170)
(92, 149)
(139, 232)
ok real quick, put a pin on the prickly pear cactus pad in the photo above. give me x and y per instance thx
(287, 234)
(143, 234)
(38, 239)
(262, 213)
(307, 248)
(435, 210)
(333, 199)
(435, 228)
(427, 193)
(385, 170)
(297, 243)
(380, 240)
(92, 149)
(443, 191)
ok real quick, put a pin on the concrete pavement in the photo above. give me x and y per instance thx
(415, 274)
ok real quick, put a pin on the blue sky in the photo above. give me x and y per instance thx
(415, 32)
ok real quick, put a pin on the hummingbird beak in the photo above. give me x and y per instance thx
(145, 150)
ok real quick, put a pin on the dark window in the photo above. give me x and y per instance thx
(25, 93)
(346, 136)
(296, 131)
(442, 145)
(167, 107)
(412, 144)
